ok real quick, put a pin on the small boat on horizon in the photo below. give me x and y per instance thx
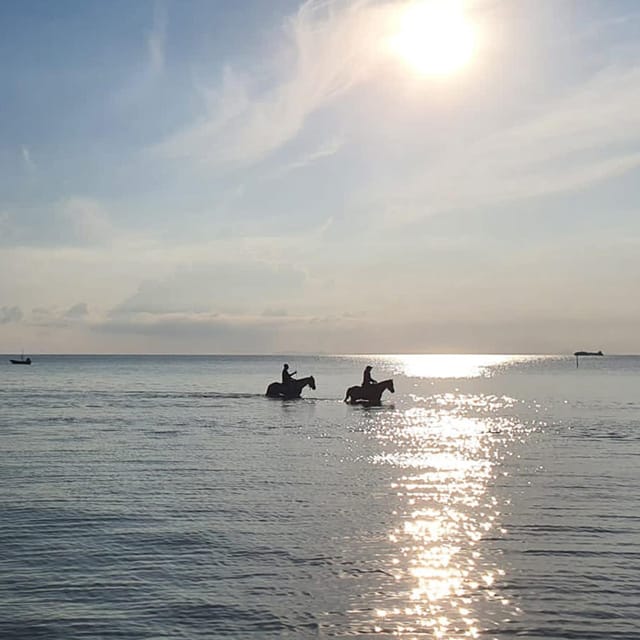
(588, 353)
(22, 360)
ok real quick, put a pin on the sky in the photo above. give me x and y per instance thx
(272, 177)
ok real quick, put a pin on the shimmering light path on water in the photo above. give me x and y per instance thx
(450, 451)
(165, 497)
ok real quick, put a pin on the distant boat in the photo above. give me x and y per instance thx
(577, 354)
(22, 360)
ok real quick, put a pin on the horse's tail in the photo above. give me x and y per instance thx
(348, 395)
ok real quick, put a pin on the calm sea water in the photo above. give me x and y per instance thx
(166, 497)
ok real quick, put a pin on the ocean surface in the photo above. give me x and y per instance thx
(166, 497)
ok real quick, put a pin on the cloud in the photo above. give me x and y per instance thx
(195, 332)
(246, 334)
(48, 318)
(10, 314)
(28, 162)
(326, 150)
(330, 46)
(75, 221)
(53, 317)
(270, 312)
(582, 138)
(6, 228)
(88, 220)
(219, 287)
(79, 310)
(156, 40)
(232, 333)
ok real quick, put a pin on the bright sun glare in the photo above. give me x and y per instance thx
(434, 37)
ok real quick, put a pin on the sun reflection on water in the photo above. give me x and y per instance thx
(452, 365)
(448, 454)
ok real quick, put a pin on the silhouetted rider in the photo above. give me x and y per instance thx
(287, 378)
(366, 378)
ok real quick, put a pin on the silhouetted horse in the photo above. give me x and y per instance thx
(370, 394)
(279, 390)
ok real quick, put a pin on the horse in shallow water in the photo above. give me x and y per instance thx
(370, 394)
(279, 390)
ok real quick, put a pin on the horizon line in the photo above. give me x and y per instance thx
(318, 354)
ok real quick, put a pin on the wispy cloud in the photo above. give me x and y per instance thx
(88, 220)
(27, 160)
(331, 46)
(326, 150)
(5, 226)
(74, 221)
(157, 38)
(585, 137)
(138, 92)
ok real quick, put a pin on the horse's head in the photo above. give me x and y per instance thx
(312, 382)
(390, 386)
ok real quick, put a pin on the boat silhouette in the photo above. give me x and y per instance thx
(21, 360)
(577, 354)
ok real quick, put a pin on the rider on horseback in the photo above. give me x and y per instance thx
(287, 378)
(366, 378)
(370, 393)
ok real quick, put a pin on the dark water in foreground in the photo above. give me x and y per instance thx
(165, 497)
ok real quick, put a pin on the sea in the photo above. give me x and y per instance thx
(155, 497)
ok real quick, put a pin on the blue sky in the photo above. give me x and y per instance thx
(265, 177)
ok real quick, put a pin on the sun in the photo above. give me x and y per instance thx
(434, 37)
